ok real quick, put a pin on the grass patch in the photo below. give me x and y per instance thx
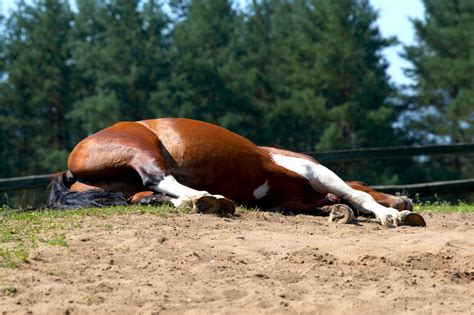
(14, 257)
(8, 291)
(22, 232)
(57, 240)
(444, 207)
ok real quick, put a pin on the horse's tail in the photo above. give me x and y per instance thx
(61, 197)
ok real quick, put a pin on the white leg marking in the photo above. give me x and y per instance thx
(185, 196)
(182, 202)
(324, 180)
(261, 191)
(169, 185)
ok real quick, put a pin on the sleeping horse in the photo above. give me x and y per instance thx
(190, 163)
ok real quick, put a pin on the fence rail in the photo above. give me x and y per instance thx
(27, 182)
(440, 187)
(429, 189)
(391, 152)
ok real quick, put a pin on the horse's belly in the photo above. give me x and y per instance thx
(234, 172)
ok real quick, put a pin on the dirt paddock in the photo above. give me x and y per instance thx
(255, 263)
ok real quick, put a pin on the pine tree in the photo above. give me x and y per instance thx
(6, 143)
(352, 77)
(317, 77)
(94, 106)
(271, 65)
(154, 64)
(36, 85)
(202, 59)
(442, 107)
(120, 53)
(319, 63)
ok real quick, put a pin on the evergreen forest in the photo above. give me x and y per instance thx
(299, 74)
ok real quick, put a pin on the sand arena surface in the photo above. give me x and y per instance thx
(255, 263)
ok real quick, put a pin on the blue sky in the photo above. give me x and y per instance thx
(393, 20)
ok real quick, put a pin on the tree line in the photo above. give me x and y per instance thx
(298, 74)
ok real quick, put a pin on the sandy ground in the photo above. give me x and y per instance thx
(255, 263)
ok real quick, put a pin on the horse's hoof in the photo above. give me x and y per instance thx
(411, 219)
(226, 206)
(206, 204)
(341, 214)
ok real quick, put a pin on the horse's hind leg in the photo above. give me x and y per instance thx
(325, 181)
(397, 202)
(130, 146)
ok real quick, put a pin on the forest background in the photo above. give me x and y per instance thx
(298, 74)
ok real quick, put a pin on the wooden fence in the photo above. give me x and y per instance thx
(27, 182)
(429, 189)
(424, 189)
(391, 152)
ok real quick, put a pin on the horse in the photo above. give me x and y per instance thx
(190, 163)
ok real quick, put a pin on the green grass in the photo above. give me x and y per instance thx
(14, 257)
(444, 207)
(22, 232)
(8, 291)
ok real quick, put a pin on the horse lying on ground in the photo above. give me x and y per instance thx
(192, 163)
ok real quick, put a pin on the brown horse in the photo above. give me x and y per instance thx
(192, 163)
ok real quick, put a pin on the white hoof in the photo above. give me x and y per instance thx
(390, 218)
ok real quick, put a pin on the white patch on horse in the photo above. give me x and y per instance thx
(261, 191)
(184, 196)
(170, 186)
(324, 180)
